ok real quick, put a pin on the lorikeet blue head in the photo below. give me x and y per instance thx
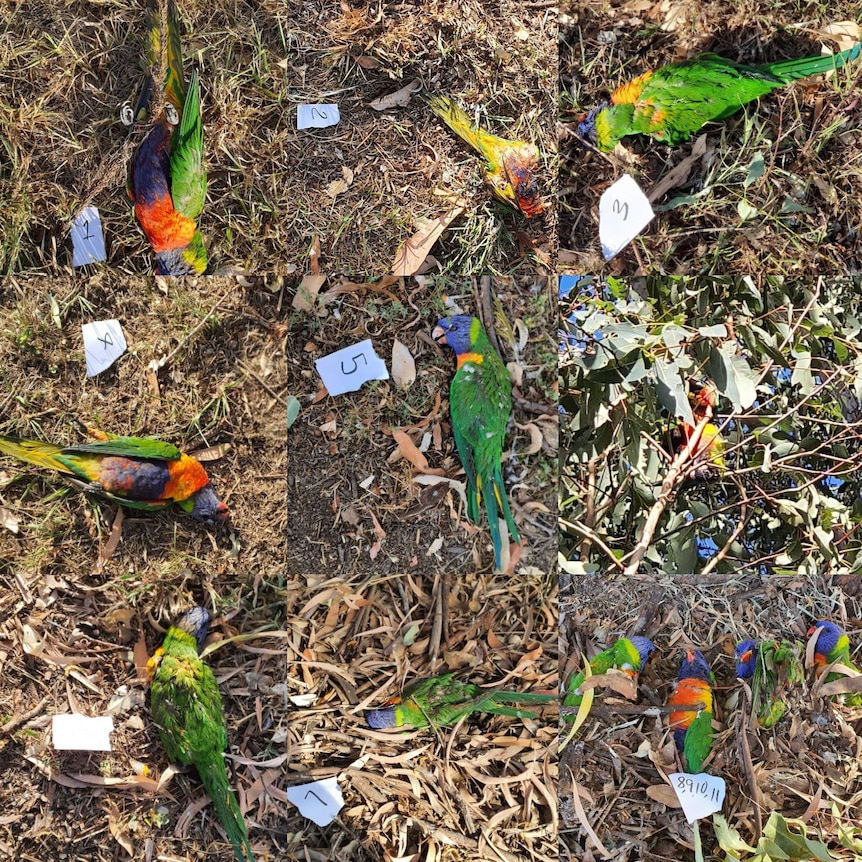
(455, 332)
(207, 507)
(694, 666)
(381, 718)
(196, 623)
(828, 638)
(587, 125)
(746, 657)
(644, 646)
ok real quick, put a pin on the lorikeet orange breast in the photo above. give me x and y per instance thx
(167, 181)
(690, 718)
(672, 102)
(480, 401)
(138, 472)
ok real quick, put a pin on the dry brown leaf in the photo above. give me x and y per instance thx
(367, 62)
(307, 291)
(8, 520)
(398, 99)
(403, 365)
(665, 794)
(845, 33)
(337, 187)
(412, 254)
(535, 437)
(107, 550)
(213, 453)
(679, 174)
(409, 451)
(119, 832)
(616, 680)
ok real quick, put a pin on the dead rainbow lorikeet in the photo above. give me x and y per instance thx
(673, 101)
(690, 718)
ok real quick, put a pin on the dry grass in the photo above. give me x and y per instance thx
(391, 524)
(806, 201)
(223, 385)
(65, 69)
(813, 750)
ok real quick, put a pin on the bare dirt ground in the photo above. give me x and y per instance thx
(481, 790)
(357, 503)
(777, 189)
(78, 617)
(806, 767)
(65, 69)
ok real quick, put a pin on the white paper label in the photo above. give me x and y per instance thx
(700, 795)
(319, 801)
(104, 343)
(82, 732)
(88, 242)
(317, 116)
(347, 369)
(624, 212)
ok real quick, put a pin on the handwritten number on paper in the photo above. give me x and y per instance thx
(106, 339)
(353, 359)
(621, 209)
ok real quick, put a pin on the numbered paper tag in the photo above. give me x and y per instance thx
(82, 732)
(624, 212)
(319, 801)
(317, 116)
(347, 369)
(104, 343)
(699, 795)
(88, 242)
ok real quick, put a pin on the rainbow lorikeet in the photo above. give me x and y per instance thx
(509, 165)
(833, 645)
(443, 700)
(137, 472)
(167, 180)
(772, 667)
(480, 401)
(672, 102)
(690, 718)
(707, 459)
(627, 654)
(187, 709)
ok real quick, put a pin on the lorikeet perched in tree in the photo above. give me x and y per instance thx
(772, 667)
(509, 165)
(691, 716)
(167, 181)
(627, 654)
(187, 709)
(480, 401)
(707, 460)
(833, 645)
(137, 472)
(673, 101)
(444, 700)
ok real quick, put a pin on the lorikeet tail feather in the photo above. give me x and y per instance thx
(214, 777)
(458, 120)
(793, 70)
(34, 452)
(496, 503)
(175, 87)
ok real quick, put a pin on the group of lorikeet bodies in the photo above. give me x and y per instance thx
(770, 668)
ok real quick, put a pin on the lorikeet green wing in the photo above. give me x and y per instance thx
(833, 645)
(509, 165)
(627, 654)
(167, 181)
(672, 102)
(772, 668)
(186, 706)
(692, 710)
(443, 700)
(480, 401)
(137, 472)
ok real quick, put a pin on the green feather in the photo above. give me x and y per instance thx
(778, 667)
(623, 655)
(128, 447)
(698, 742)
(188, 176)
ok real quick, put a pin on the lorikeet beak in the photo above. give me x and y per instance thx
(439, 334)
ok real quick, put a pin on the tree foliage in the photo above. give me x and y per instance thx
(786, 362)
